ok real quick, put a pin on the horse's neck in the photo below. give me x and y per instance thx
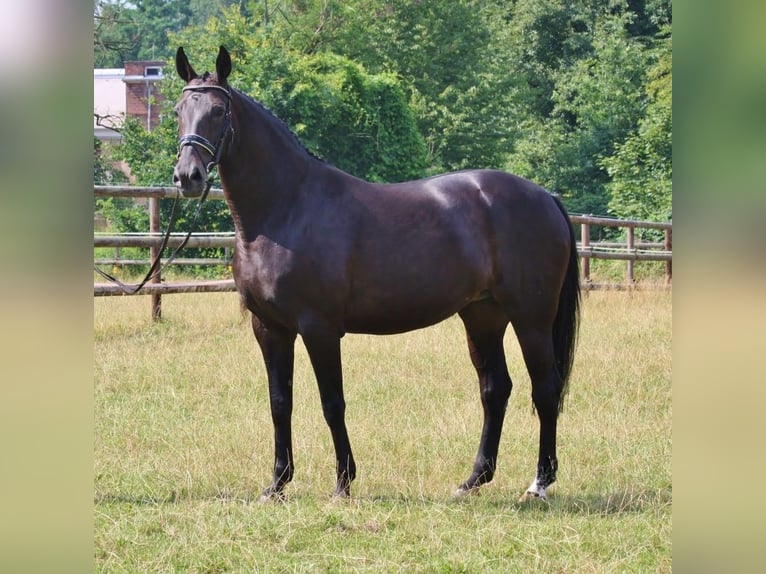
(264, 166)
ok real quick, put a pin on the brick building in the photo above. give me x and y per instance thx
(141, 97)
(129, 91)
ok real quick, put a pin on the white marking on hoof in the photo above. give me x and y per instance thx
(534, 491)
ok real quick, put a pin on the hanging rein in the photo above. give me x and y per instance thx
(215, 151)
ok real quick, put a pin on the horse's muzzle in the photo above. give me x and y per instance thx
(189, 177)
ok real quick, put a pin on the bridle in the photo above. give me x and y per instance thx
(215, 151)
(197, 141)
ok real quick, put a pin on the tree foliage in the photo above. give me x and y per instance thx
(586, 84)
(126, 30)
(443, 53)
(641, 170)
(355, 120)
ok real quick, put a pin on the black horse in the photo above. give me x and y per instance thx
(321, 253)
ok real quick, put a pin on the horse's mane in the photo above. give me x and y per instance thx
(279, 122)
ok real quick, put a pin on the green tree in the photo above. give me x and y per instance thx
(543, 38)
(443, 52)
(641, 168)
(452, 68)
(115, 33)
(125, 30)
(593, 104)
(357, 121)
(155, 19)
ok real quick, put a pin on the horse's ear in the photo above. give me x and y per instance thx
(223, 65)
(183, 67)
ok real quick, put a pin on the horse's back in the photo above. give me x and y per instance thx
(486, 210)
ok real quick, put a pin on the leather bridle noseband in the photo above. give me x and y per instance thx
(197, 141)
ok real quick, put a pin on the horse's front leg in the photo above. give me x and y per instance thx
(278, 348)
(323, 345)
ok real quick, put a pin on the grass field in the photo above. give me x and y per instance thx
(183, 447)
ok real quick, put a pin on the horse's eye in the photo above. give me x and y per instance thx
(218, 111)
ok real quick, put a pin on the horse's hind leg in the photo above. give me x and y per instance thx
(485, 324)
(537, 347)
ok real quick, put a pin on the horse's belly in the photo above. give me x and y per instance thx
(419, 288)
(393, 322)
(389, 315)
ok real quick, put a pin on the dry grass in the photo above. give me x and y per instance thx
(184, 446)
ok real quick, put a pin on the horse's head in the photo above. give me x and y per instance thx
(204, 122)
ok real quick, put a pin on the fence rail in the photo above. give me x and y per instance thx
(630, 251)
(180, 261)
(155, 240)
(148, 192)
(612, 222)
(107, 289)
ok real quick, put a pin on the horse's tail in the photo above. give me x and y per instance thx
(565, 326)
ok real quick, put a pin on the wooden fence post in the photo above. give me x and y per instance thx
(154, 252)
(585, 244)
(669, 263)
(631, 248)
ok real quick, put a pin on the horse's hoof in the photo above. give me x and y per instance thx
(534, 492)
(464, 492)
(342, 496)
(527, 496)
(270, 496)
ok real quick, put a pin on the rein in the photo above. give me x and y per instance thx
(157, 266)
(215, 151)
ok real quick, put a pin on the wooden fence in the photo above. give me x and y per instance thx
(629, 251)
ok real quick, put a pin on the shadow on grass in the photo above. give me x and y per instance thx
(181, 495)
(636, 500)
(604, 504)
(615, 502)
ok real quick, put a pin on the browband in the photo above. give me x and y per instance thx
(207, 87)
